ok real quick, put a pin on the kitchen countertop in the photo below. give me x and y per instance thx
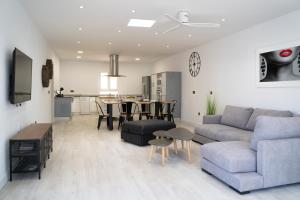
(81, 95)
(97, 95)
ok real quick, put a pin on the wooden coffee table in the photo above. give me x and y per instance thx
(164, 144)
(165, 134)
(182, 134)
(161, 134)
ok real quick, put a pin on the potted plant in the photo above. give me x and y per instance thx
(211, 108)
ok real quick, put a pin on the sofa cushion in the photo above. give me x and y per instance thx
(234, 135)
(212, 119)
(272, 128)
(233, 156)
(219, 132)
(236, 116)
(211, 130)
(264, 112)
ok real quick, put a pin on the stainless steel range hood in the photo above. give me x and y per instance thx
(114, 66)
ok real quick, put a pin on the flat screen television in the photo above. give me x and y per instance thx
(21, 77)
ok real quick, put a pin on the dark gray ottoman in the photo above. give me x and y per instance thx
(140, 132)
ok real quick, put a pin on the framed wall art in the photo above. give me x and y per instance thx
(279, 65)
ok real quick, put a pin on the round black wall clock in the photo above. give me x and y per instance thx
(194, 64)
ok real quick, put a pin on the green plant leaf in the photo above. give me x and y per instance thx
(211, 108)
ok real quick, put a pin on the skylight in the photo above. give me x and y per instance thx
(141, 23)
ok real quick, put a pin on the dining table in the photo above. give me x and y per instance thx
(158, 112)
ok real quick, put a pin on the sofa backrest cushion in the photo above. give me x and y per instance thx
(273, 128)
(236, 116)
(264, 112)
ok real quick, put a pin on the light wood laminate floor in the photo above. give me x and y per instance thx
(91, 165)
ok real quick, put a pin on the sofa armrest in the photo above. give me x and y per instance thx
(278, 161)
(212, 119)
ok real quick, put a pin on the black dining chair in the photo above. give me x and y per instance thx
(125, 110)
(122, 113)
(129, 106)
(171, 114)
(142, 110)
(102, 115)
(158, 110)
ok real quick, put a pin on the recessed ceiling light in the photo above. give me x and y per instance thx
(156, 33)
(139, 45)
(141, 23)
(78, 42)
(78, 57)
(81, 7)
(109, 43)
(80, 52)
(119, 31)
(190, 35)
(167, 46)
(133, 11)
(223, 20)
(80, 29)
(137, 59)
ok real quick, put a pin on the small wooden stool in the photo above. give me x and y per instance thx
(164, 144)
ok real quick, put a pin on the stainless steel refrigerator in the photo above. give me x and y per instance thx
(167, 86)
(146, 81)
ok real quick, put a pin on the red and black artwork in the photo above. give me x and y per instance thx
(280, 65)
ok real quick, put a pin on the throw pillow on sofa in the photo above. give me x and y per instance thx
(265, 112)
(272, 128)
(236, 116)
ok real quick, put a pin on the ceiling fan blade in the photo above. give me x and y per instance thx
(172, 29)
(204, 25)
(172, 18)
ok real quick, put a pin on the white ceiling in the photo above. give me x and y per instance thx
(100, 20)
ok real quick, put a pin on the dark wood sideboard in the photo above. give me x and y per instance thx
(30, 148)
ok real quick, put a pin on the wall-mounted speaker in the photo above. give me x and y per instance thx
(49, 64)
(45, 76)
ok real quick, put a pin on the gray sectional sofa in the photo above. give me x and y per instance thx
(259, 152)
(236, 124)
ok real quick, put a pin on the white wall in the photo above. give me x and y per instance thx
(17, 30)
(82, 76)
(228, 69)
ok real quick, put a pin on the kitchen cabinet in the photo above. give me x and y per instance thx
(93, 108)
(62, 106)
(84, 105)
(76, 105)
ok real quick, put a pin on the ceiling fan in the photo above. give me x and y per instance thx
(183, 20)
